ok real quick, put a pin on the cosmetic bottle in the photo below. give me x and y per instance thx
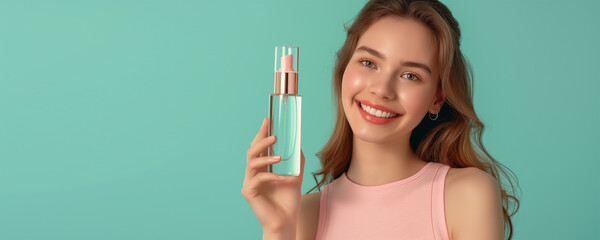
(285, 111)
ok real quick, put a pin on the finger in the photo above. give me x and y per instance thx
(260, 164)
(262, 133)
(259, 147)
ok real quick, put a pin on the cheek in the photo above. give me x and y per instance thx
(416, 100)
(352, 83)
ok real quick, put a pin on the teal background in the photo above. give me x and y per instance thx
(131, 119)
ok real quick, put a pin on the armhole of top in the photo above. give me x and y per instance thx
(438, 203)
(323, 211)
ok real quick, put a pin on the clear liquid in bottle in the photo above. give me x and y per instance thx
(285, 113)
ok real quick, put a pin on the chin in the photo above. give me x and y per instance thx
(368, 132)
(368, 135)
(371, 139)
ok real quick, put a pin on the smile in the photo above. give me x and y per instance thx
(376, 112)
(376, 116)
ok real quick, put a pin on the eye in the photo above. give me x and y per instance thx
(368, 63)
(410, 76)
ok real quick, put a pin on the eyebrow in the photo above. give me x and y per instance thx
(380, 55)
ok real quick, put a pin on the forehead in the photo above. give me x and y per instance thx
(401, 39)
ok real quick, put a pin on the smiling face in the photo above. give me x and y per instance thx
(394, 70)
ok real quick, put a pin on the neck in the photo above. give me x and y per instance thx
(374, 164)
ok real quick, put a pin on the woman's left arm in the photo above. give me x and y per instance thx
(475, 205)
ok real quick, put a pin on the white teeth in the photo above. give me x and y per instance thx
(377, 113)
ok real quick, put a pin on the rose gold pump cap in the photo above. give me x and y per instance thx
(286, 70)
(286, 83)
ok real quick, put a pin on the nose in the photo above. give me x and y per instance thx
(383, 86)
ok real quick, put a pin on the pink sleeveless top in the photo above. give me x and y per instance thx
(412, 208)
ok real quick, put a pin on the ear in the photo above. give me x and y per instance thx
(438, 101)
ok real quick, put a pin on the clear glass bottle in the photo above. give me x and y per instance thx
(285, 113)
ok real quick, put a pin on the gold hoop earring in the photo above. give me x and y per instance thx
(436, 116)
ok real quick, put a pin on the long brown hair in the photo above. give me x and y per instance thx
(454, 139)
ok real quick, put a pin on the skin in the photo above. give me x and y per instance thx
(381, 153)
(274, 199)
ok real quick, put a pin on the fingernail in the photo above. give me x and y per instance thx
(281, 178)
(271, 138)
(276, 157)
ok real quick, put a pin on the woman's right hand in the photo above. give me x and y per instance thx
(274, 199)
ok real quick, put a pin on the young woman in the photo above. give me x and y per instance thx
(400, 163)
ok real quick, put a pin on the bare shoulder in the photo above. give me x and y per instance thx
(308, 218)
(473, 205)
(464, 179)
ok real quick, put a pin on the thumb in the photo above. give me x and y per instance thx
(301, 163)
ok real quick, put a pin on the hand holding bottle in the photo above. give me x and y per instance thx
(274, 199)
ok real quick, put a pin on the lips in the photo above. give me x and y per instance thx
(374, 119)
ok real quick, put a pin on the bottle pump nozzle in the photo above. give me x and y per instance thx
(286, 70)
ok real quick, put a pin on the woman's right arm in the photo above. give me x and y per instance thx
(274, 199)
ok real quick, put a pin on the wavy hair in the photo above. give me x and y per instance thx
(454, 139)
